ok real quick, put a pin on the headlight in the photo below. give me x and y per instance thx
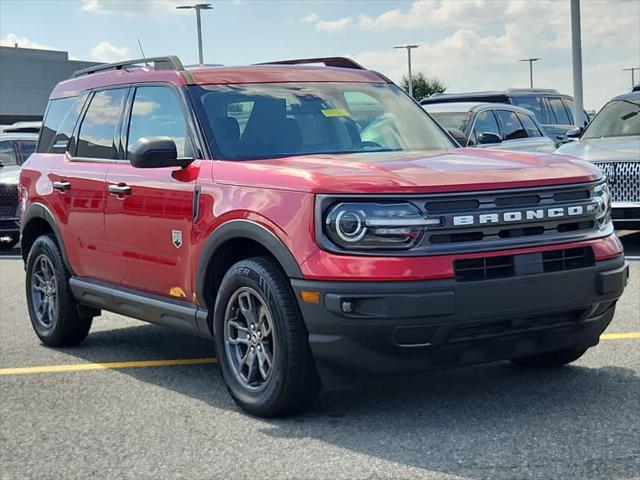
(602, 197)
(365, 226)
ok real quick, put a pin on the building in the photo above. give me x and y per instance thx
(27, 77)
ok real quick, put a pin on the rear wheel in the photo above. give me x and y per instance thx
(54, 313)
(551, 359)
(261, 341)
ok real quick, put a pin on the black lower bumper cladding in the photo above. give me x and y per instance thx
(387, 328)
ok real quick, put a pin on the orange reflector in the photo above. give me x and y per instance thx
(310, 297)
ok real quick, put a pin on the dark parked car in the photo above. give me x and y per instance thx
(489, 125)
(612, 141)
(552, 109)
(15, 148)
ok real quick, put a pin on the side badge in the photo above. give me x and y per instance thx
(176, 238)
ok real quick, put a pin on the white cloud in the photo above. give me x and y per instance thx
(105, 52)
(11, 39)
(333, 25)
(311, 18)
(133, 7)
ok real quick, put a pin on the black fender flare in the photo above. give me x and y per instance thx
(243, 229)
(38, 210)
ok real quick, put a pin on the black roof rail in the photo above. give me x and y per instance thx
(341, 62)
(170, 62)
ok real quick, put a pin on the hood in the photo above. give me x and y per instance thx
(461, 169)
(604, 149)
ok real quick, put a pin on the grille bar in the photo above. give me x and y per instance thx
(623, 179)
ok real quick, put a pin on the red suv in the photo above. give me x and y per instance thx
(314, 220)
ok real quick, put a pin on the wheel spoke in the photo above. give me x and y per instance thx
(42, 306)
(264, 363)
(252, 365)
(263, 322)
(248, 307)
(51, 310)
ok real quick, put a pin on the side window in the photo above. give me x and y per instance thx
(485, 123)
(529, 125)
(569, 104)
(57, 112)
(156, 112)
(26, 148)
(531, 103)
(557, 107)
(511, 126)
(8, 153)
(97, 132)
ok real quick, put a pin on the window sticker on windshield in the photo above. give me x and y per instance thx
(335, 112)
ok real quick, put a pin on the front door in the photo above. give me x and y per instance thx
(149, 212)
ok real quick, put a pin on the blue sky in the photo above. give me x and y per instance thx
(468, 44)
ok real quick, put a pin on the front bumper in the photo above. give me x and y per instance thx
(386, 328)
(9, 226)
(626, 215)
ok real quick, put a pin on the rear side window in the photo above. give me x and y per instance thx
(511, 126)
(57, 112)
(559, 112)
(97, 132)
(569, 104)
(8, 153)
(529, 125)
(156, 112)
(531, 103)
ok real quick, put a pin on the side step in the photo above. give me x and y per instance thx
(140, 305)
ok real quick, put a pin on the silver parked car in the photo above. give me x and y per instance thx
(612, 141)
(15, 148)
(491, 125)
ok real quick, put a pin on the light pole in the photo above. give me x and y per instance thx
(197, 7)
(576, 48)
(633, 78)
(530, 60)
(410, 81)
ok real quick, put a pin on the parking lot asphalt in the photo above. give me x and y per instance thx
(174, 418)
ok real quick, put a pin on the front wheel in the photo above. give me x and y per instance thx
(261, 341)
(551, 359)
(54, 312)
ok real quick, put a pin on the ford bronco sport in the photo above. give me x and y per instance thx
(314, 221)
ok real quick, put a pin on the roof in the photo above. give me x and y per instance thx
(492, 93)
(471, 107)
(123, 73)
(634, 95)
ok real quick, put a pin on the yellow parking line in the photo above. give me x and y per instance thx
(619, 336)
(106, 366)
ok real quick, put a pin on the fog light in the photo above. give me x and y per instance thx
(347, 306)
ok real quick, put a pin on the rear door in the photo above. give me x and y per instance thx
(149, 212)
(560, 119)
(485, 122)
(78, 176)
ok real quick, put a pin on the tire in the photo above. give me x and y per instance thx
(550, 360)
(62, 325)
(291, 382)
(13, 241)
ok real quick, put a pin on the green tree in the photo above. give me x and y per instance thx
(423, 86)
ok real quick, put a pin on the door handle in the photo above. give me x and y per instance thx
(121, 189)
(62, 185)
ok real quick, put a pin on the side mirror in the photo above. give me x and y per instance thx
(488, 138)
(575, 132)
(156, 152)
(459, 135)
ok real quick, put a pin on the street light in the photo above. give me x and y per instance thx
(408, 48)
(576, 63)
(633, 78)
(530, 60)
(197, 7)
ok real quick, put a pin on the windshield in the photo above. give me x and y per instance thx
(457, 120)
(252, 121)
(619, 118)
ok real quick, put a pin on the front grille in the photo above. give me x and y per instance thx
(492, 220)
(505, 266)
(624, 180)
(8, 200)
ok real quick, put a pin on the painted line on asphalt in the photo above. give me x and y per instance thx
(106, 366)
(620, 336)
(185, 361)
